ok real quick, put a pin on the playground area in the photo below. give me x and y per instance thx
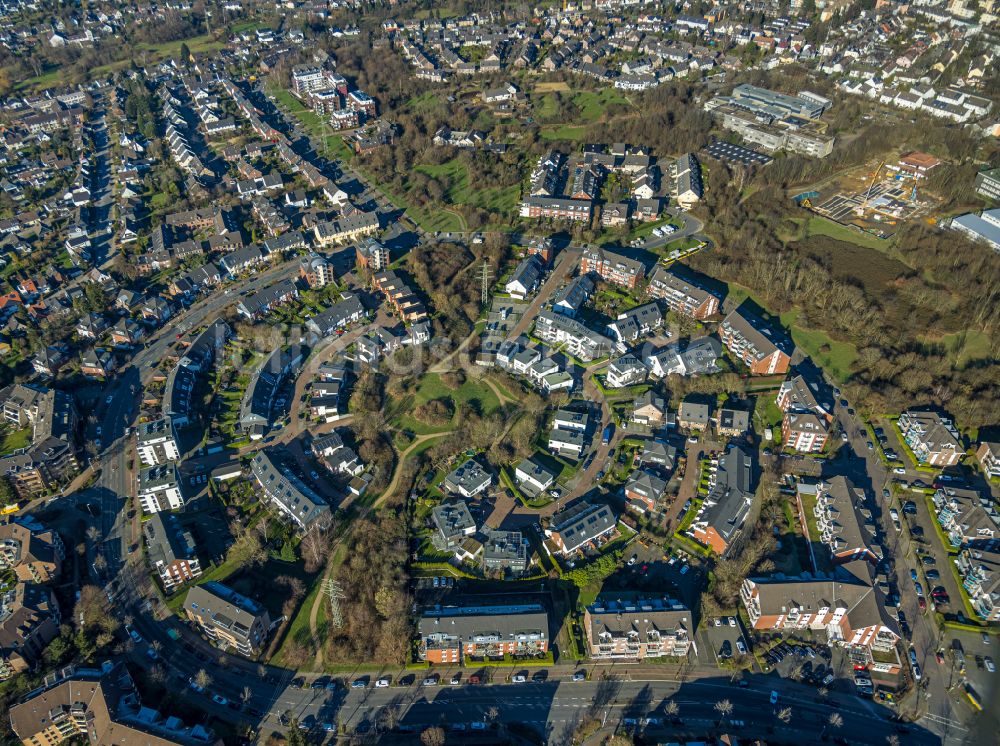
(875, 200)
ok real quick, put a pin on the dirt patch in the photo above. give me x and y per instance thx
(550, 86)
(871, 269)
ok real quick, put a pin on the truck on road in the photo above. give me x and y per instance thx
(608, 432)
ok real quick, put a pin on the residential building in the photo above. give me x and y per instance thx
(632, 325)
(989, 459)
(644, 490)
(454, 524)
(638, 629)
(612, 267)
(372, 256)
(469, 479)
(317, 271)
(525, 278)
(505, 552)
(847, 609)
(340, 315)
(98, 706)
(932, 438)
(160, 488)
(457, 634)
(156, 442)
(580, 525)
(557, 208)
(256, 306)
(695, 415)
(697, 357)
(733, 423)
(625, 371)
(649, 409)
(681, 295)
(567, 443)
(658, 453)
(170, 550)
(720, 518)
(29, 621)
(967, 518)
(688, 188)
(231, 620)
(534, 477)
(33, 552)
(845, 521)
(979, 570)
(764, 350)
(804, 432)
(569, 299)
(579, 341)
(257, 405)
(283, 488)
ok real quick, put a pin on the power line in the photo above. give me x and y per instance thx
(333, 590)
(485, 274)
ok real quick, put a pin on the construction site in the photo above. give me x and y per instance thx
(878, 198)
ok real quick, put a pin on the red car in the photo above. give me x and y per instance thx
(940, 657)
(644, 569)
(922, 603)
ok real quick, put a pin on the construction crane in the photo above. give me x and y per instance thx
(868, 193)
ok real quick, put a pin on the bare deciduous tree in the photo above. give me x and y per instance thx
(202, 679)
(433, 736)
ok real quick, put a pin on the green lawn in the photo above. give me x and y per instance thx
(14, 439)
(834, 356)
(432, 387)
(818, 226)
(968, 346)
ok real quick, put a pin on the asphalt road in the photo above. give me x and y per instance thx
(554, 707)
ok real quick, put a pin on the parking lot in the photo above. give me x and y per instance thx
(724, 639)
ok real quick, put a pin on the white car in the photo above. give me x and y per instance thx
(741, 647)
(519, 678)
(732, 621)
(718, 622)
(220, 700)
(430, 681)
(899, 470)
(894, 514)
(195, 686)
(382, 683)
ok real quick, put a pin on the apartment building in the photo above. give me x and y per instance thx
(156, 442)
(980, 573)
(635, 630)
(846, 608)
(98, 707)
(720, 518)
(233, 621)
(612, 267)
(581, 524)
(160, 488)
(33, 552)
(579, 341)
(804, 432)
(681, 295)
(967, 518)
(456, 634)
(932, 438)
(763, 349)
(988, 455)
(845, 522)
(283, 488)
(171, 550)
(468, 479)
(557, 208)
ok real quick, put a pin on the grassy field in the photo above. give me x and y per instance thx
(563, 132)
(591, 105)
(333, 144)
(460, 192)
(818, 226)
(432, 387)
(967, 346)
(835, 357)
